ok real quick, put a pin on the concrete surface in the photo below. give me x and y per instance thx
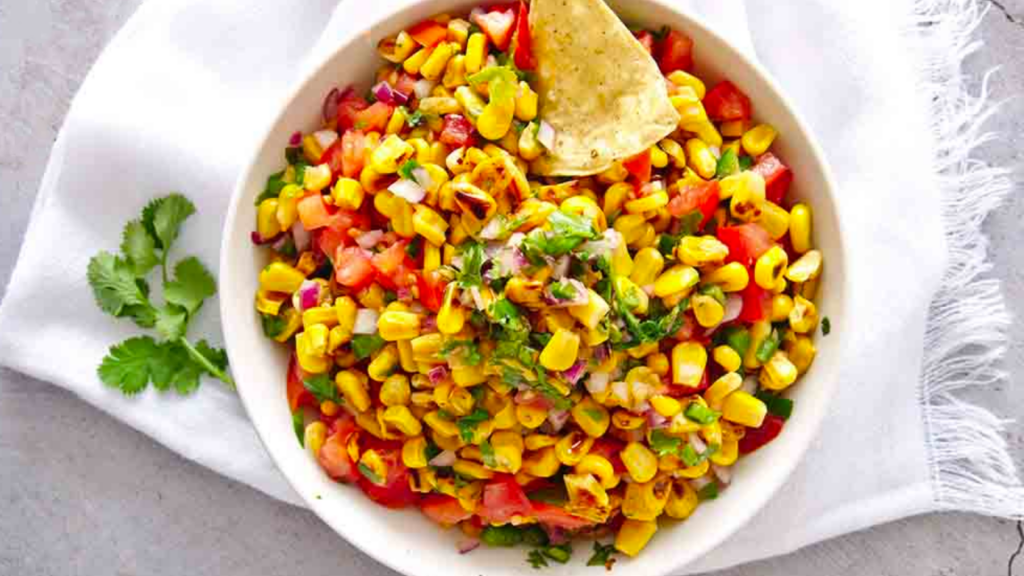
(83, 494)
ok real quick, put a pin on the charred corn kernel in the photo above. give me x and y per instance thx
(414, 453)
(402, 418)
(471, 469)
(770, 267)
(394, 325)
(541, 463)
(646, 500)
(734, 128)
(742, 408)
(647, 203)
(658, 363)
(667, 406)
(466, 376)
(615, 197)
(626, 420)
(440, 425)
(429, 224)
(353, 389)
(803, 318)
(758, 332)
(631, 226)
(701, 251)
(451, 318)
(525, 291)
(269, 302)
(688, 362)
(640, 462)
(774, 219)
(530, 416)
(526, 103)
(458, 32)
(561, 351)
(681, 78)
(700, 158)
(395, 390)
(758, 139)
(727, 384)
(293, 321)
(385, 362)
(675, 280)
(319, 315)
(727, 358)
(314, 437)
(732, 277)
(371, 180)
(572, 448)
(266, 219)
(591, 313)
(345, 312)
(801, 352)
(397, 48)
(600, 467)
(778, 373)
(746, 193)
(682, 500)
(634, 535)
(434, 66)
(540, 441)
(472, 200)
(781, 307)
(476, 52)
(281, 277)
(647, 266)
(413, 63)
(390, 154)
(806, 267)
(311, 349)
(800, 228)
(348, 194)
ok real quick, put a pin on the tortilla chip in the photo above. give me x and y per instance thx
(599, 88)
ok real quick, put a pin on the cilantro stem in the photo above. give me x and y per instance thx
(163, 264)
(205, 363)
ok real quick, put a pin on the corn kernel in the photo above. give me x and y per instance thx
(742, 408)
(314, 436)
(526, 103)
(476, 52)
(700, 158)
(681, 78)
(280, 277)
(800, 228)
(353, 389)
(667, 406)
(732, 277)
(542, 463)
(647, 266)
(397, 48)
(758, 139)
(727, 384)
(746, 193)
(658, 363)
(675, 280)
(640, 462)
(700, 251)
(591, 313)
(402, 418)
(652, 201)
(386, 361)
(591, 417)
(758, 332)
(311, 349)
(778, 373)
(646, 500)
(727, 358)
(394, 325)
(434, 66)
(682, 500)
(572, 448)
(634, 535)
(413, 63)
(688, 362)
(390, 154)
(531, 416)
(414, 453)
(806, 267)
(770, 267)
(266, 219)
(801, 352)
(774, 219)
(803, 318)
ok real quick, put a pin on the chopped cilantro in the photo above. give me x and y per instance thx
(299, 426)
(537, 559)
(735, 337)
(602, 555)
(563, 290)
(504, 536)
(700, 413)
(728, 164)
(406, 169)
(777, 405)
(363, 345)
(662, 444)
(470, 352)
(487, 454)
(745, 162)
(826, 326)
(709, 492)
(322, 388)
(275, 182)
(472, 260)
(414, 247)
(467, 424)
(273, 326)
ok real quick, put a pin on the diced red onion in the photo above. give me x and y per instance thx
(388, 95)
(697, 443)
(429, 324)
(369, 239)
(404, 294)
(601, 353)
(422, 177)
(697, 483)
(280, 242)
(309, 295)
(259, 240)
(546, 135)
(608, 242)
(437, 375)
(468, 544)
(366, 321)
(302, 237)
(724, 473)
(749, 385)
(558, 418)
(561, 267)
(445, 458)
(556, 536)
(412, 192)
(519, 261)
(655, 420)
(423, 87)
(330, 106)
(598, 382)
(325, 138)
(733, 306)
(295, 139)
(492, 229)
(575, 372)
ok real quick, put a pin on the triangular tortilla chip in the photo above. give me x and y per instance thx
(599, 88)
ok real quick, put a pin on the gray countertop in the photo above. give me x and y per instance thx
(83, 494)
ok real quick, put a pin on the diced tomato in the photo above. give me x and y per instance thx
(675, 52)
(690, 328)
(457, 131)
(405, 84)
(726, 102)
(610, 448)
(353, 152)
(777, 177)
(703, 197)
(523, 56)
(756, 301)
(352, 267)
(680, 391)
(639, 166)
(557, 517)
(757, 437)
(335, 460)
(327, 240)
(428, 33)
(432, 286)
(503, 499)
(646, 39)
(348, 106)
(334, 158)
(387, 262)
(444, 510)
(746, 242)
(497, 25)
(374, 118)
(395, 492)
(297, 393)
(313, 212)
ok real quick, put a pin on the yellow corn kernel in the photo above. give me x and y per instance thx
(413, 63)
(806, 267)
(529, 148)
(267, 224)
(591, 313)
(626, 420)
(435, 64)
(371, 180)
(801, 352)
(727, 358)
(728, 451)
(681, 78)
(467, 376)
(471, 469)
(426, 348)
(622, 264)
(314, 436)
(405, 356)
(770, 267)
(634, 535)
(287, 205)
(394, 325)
(694, 471)
(555, 318)
(682, 500)
(652, 201)
(329, 408)
(269, 302)
(455, 72)
(691, 110)
(591, 417)
(476, 52)
(586, 207)
(803, 318)
(402, 418)
(646, 500)
(311, 349)
(561, 351)
(458, 32)
(700, 158)
(396, 123)
(647, 266)
(530, 416)
(293, 321)
(782, 305)
(395, 390)
(348, 194)
(439, 106)
(726, 384)
(631, 226)
(641, 463)
(352, 388)
(494, 122)
(572, 448)
(429, 224)
(774, 219)
(615, 197)
(325, 315)
(600, 467)
(386, 361)
(526, 102)
(451, 318)
(311, 149)
(440, 425)
(541, 463)
(732, 277)
(628, 292)
(647, 238)
(658, 363)
(701, 251)
(758, 139)
(778, 373)
(734, 128)
(414, 452)
(742, 408)
(675, 280)
(280, 277)
(539, 441)
(800, 228)
(390, 154)
(397, 48)
(688, 362)
(431, 257)
(659, 159)
(667, 406)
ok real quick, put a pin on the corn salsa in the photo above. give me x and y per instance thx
(533, 358)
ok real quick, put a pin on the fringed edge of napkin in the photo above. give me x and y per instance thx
(966, 335)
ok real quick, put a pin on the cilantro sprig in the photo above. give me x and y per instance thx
(119, 285)
(602, 555)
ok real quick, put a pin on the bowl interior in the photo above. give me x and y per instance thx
(406, 540)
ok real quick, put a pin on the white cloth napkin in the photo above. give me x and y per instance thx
(180, 95)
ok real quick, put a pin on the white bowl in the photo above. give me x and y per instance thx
(408, 541)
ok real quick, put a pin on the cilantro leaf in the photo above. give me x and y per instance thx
(406, 169)
(363, 345)
(171, 321)
(192, 284)
(745, 162)
(728, 164)
(662, 444)
(826, 326)
(163, 218)
(139, 248)
(322, 388)
(467, 424)
(472, 261)
(127, 365)
(273, 326)
(275, 183)
(602, 555)
(299, 425)
(709, 492)
(536, 559)
(563, 290)
(116, 289)
(487, 454)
